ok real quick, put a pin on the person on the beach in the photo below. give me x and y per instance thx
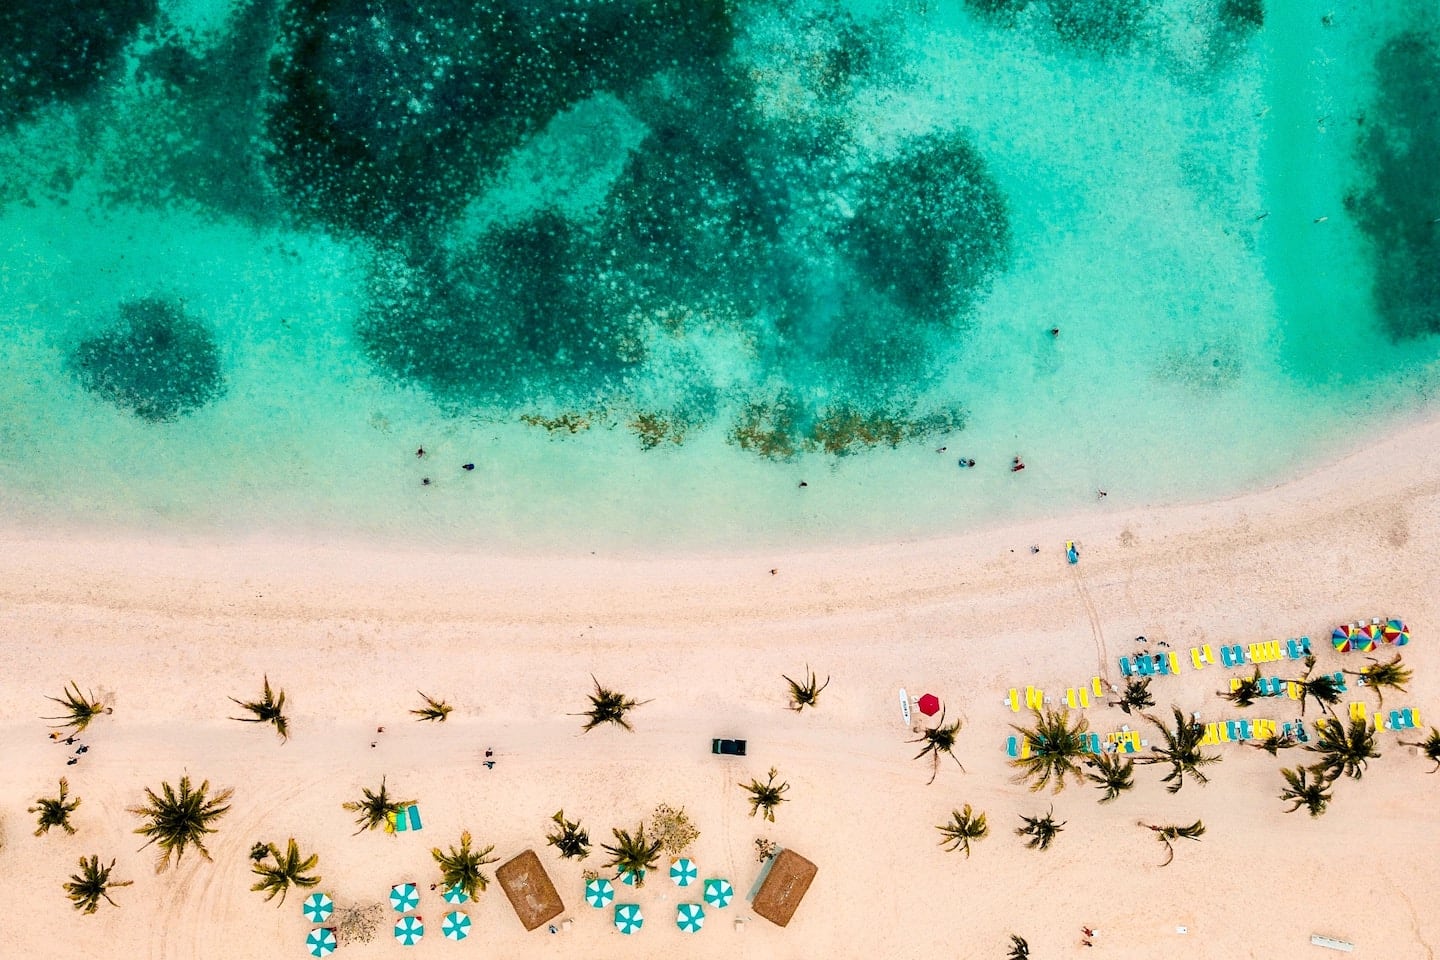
(1016, 465)
(420, 452)
(1054, 331)
(467, 466)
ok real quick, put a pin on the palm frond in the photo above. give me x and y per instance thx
(965, 826)
(374, 807)
(1380, 676)
(1112, 774)
(270, 708)
(80, 708)
(1301, 791)
(461, 867)
(608, 706)
(766, 796)
(1245, 691)
(92, 884)
(569, 837)
(176, 820)
(285, 870)
(433, 710)
(55, 811)
(1042, 831)
(1430, 746)
(1182, 750)
(632, 853)
(806, 694)
(1345, 750)
(939, 739)
(1169, 834)
(1055, 751)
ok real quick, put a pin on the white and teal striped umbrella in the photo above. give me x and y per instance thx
(718, 892)
(599, 892)
(318, 907)
(321, 942)
(628, 918)
(455, 894)
(683, 872)
(409, 930)
(455, 926)
(690, 917)
(404, 897)
(628, 878)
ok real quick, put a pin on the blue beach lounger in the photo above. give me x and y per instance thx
(1125, 666)
(1145, 666)
(414, 816)
(1232, 656)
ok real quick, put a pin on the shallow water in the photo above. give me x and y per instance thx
(649, 285)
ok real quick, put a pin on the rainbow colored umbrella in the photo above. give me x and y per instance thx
(683, 872)
(628, 918)
(409, 930)
(321, 942)
(718, 892)
(1366, 637)
(1395, 632)
(599, 892)
(455, 894)
(1340, 637)
(690, 917)
(404, 897)
(455, 926)
(317, 908)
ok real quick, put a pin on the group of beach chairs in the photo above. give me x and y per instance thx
(1406, 719)
(1076, 698)
(1276, 687)
(1232, 655)
(1123, 740)
(1239, 731)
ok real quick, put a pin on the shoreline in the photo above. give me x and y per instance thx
(168, 631)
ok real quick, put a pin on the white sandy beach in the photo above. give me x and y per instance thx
(168, 631)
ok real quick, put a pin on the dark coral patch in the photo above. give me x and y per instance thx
(156, 363)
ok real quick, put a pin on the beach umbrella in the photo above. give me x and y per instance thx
(409, 930)
(404, 897)
(321, 942)
(690, 917)
(1340, 637)
(455, 894)
(628, 878)
(929, 704)
(318, 907)
(628, 918)
(1395, 632)
(718, 892)
(683, 872)
(455, 926)
(1366, 637)
(599, 892)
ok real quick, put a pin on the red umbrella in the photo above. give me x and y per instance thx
(929, 704)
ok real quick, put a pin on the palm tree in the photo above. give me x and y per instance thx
(1276, 742)
(1345, 751)
(1301, 791)
(1019, 949)
(92, 884)
(632, 853)
(965, 825)
(1042, 831)
(268, 709)
(1137, 695)
(607, 706)
(1379, 675)
(1430, 746)
(80, 708)
(461, 866)
(805, 694)
(55, 811)
(1246, 690)
(1169, 834)
(374, 808)
(765, 797)
(1112, 773)
(1181, 750)
(177, 820)
(1324, 689)
(1055, 750)
(569, 838)
(939, 739)
(287, 870)
(434, 710)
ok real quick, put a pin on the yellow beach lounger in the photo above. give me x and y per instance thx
(1293, 689)
(1211, 737)
(1034, 698)
(1012, 700)
(1097, 687)
(1264, 729)
(1357, 710)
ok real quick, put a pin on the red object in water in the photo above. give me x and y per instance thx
(929, 704)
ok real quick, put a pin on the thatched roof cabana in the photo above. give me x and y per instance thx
(784, 886)
(525, 882)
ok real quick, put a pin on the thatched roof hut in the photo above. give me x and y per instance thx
(528, 886)
(786, 881)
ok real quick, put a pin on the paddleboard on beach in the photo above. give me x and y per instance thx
(905, 706)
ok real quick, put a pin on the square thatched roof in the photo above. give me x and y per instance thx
(784, 887)
(528, 886)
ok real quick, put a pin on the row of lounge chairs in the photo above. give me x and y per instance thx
(1238, 731)
(1406, 719)
(1232, 655)
(1121, 741)
(1275, 687)
(1076, 698)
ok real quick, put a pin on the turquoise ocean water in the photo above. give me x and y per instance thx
(650, 265)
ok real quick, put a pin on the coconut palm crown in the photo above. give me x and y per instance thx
(608, 706)
(632, 853)
(805, 694)
(1380, 676)
(55, 811)
(571, 839)
(964, 827)
(270, 708)
(80, 708)
(1344, 750)
(765, 797)
(1246, 691)
(1112, 774)
(938, 740)
(433, 710)
(1019, 949)
(285, 870)
(176, 820)
(1055, 751)
(1430, 746)
(1042, 831)
(374, 807)
(92, 884)
(1302, 791)
(460, 866)
(1137, 695)
(1181, 750)
(1324, 689)
(1169, 834)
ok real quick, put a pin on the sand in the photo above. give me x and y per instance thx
(168, 630)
